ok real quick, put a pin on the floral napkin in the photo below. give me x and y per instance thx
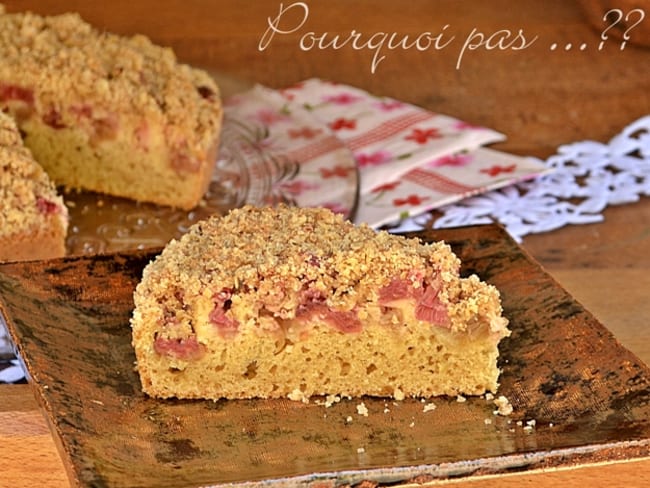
(404, 160)
(291, 156)
(443, 181)
(387, 137)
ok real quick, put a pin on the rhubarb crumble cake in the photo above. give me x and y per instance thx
(107, 113)
(288, 302)
(33, 218)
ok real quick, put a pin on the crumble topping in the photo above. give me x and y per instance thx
(272, 254)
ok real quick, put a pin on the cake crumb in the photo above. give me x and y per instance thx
(489, 396)
(461, 399)
(504, 407)
(429, 407)
(298, 395)
(360, 450)
(398, 394)
(362, 409)
(487, 421)
(329, 401)
(530, 425)
(412, 424)
(348, 419)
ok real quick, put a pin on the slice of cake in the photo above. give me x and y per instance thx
(288, 302)
(33, 218)
(107, 113)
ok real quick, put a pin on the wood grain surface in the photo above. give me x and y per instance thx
(589, 398)
(539, 98)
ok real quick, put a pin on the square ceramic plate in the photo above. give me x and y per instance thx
(589, 397)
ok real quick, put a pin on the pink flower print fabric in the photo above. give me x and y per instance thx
(376, 158)
(291, 156)
(387, 137)
(443, 181)
(326, 139)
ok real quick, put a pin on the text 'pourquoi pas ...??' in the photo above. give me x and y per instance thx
(293, 19)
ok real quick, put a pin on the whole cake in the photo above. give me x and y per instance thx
(33, 218)
(108, 113)
(288, 302)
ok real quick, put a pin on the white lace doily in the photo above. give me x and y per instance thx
(587, 177)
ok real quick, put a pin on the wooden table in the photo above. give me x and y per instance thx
(540, 97)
